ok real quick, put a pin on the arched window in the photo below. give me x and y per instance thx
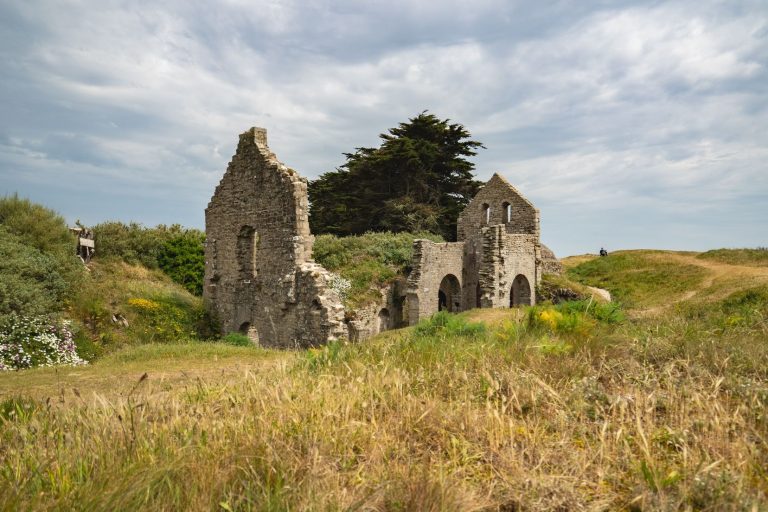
(507, 209)
(486, 214)
(383, 320)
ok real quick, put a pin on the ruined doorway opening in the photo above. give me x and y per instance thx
(520, 294)
(383, 320)
(249, 330)
(478, 295)
(247, 253)
(449, 295)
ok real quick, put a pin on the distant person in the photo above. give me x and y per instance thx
(603, 252)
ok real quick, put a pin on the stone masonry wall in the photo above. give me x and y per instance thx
(259, 276)
(506, 256)
(431, 263)
(382, 315)
(496, 193)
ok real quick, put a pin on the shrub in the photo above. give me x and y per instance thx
(164, 318)
(36, 226)
(25, 343)
(182, 258)
(32, 283)
(238, 340)
(447, 324)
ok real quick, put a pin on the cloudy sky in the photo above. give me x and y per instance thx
(629, 124)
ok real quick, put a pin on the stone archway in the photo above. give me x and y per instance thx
(520, 294)
(449, 295)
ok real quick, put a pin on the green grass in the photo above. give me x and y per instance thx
(639, 278)
(368, 261)
(751, 257)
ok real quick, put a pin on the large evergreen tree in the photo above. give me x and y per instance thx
(418, 179)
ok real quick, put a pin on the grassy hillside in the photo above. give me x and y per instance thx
(119, 304)
(752, 257)
(564, 407)
(639, 278)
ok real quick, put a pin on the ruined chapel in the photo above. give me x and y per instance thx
(260, 278)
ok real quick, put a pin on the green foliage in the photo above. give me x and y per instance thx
(38, 267)
(164, 318)
(237, 340)
(31, 282)
(419, 179)
(757, 257)
(36, 226)
(443, 323)
(177, 251)
(183, 259)
(134, 243)
(638, 278)
(368, 260)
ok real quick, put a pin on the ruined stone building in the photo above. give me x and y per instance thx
(260, 278)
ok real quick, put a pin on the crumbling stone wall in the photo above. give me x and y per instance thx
(259, 275)
(382, 315)
(497, 259)
(549, 262)
(432, 262)
(508, 274)
(260, 278)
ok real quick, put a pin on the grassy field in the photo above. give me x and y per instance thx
(580, 406)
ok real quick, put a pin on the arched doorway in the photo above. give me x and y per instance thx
(520, 294)
(449, 295)
(249, 330)
(383, 320)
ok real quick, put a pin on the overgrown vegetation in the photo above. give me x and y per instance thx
(753, 257)
(121, 304)
(367, 261)
(38, 275)
(419, 179)
(176, 250)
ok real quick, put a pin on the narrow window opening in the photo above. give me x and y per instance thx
(507, 209)
(247, 252)
(486, 214)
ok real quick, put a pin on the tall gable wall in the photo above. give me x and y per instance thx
(495, 194)
(259, 277)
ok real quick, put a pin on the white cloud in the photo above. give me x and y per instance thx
(584, 106)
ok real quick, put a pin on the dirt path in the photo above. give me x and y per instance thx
(717, 272)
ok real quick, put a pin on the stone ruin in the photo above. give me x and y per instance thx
(260, 278)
